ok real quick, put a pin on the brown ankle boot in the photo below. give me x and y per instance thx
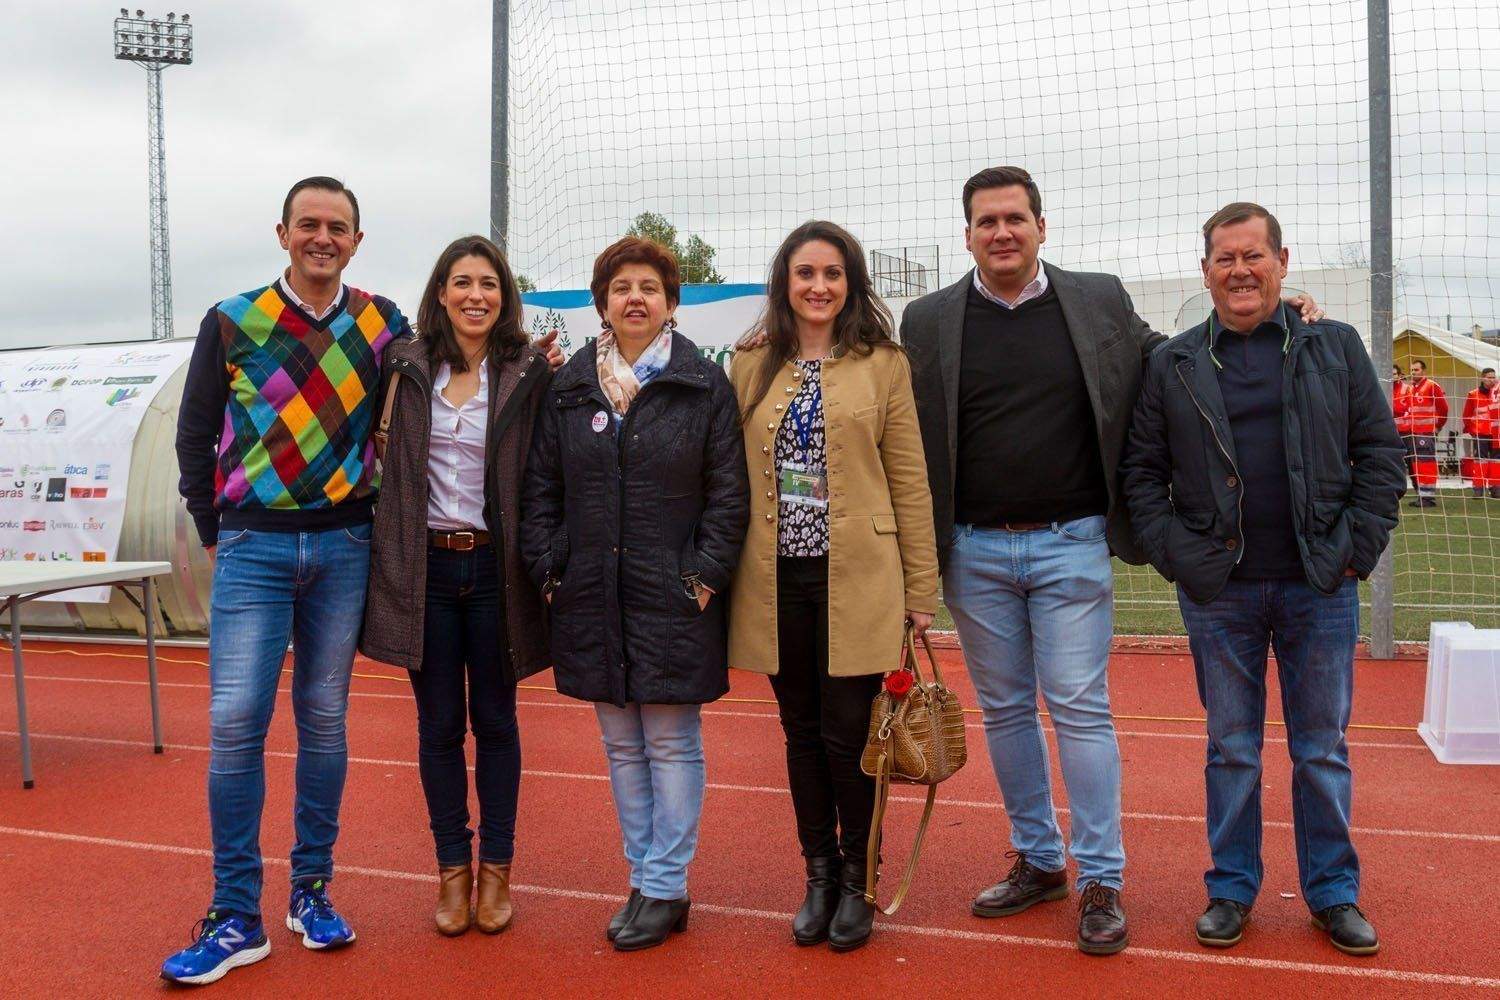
(454, 886)
(493, 910)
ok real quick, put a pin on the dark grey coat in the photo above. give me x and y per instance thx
(396, 598)
(1111, 341)
(1344, 460)
(617, 521)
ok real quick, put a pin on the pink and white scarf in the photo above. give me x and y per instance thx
(621, 381)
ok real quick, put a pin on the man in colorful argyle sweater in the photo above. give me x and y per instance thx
(279, 475)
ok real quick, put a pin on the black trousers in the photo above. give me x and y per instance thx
(826, 719)
(464, 640)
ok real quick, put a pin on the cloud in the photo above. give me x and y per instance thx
(737, 120)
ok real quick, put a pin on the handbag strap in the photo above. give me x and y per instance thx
(911, 655)
(382, 432)
(872, 856)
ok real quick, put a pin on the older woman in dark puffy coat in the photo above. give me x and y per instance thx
(635, 506)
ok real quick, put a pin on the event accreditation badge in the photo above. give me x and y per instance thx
(804, 485)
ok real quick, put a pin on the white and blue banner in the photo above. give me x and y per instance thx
(711, 316)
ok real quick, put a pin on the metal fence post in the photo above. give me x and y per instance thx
(1382, 285)
(500, 125)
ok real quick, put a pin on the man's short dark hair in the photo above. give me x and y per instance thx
(319, 184)
(1419, 361)
(1487, 371)
(997, 177)
(1240, 211)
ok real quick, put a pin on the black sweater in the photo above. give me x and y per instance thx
(1027, 447)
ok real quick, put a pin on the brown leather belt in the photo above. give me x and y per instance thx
(1020, 525)
(457, 541)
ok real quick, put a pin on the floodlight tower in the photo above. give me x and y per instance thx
(155, 44)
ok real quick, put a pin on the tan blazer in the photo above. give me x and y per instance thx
(882, 557)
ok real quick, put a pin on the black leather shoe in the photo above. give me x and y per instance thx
(852, 921)
(653, 921)
(811, 925)
(1223, 923)
(1024, 887)
(623, 915)
(1348, 929)
(1101, 921)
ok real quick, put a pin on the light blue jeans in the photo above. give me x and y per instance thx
(269, 587)
(1036, 609)
(657, 776)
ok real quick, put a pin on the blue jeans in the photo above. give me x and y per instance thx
(1313, 636)
(268, 587)
(657, 776)
(1035, 609)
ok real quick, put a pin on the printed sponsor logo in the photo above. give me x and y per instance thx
(57, 490)
(12, 494)
(57, 418)
(61, 557)
(95, 556)
(2, 421)
(129, 380)
(10, 525)
(138, 358)
(53, 366)
(75, 470)
(92, 525)
(30, 557)
(25, 420)
(29, 469)
(101, 472)
(86, 381)
(121, 397)
(8, 554)
(34, 526)
(58, 383)
(6, 471)
(31, 385)
(87, 492)
(36, 489)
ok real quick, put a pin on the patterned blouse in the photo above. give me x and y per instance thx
(802, 530)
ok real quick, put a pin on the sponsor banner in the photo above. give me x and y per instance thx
(711, 316)
(68, 421)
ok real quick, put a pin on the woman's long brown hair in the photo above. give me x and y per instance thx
(863, 324)
(506, 337)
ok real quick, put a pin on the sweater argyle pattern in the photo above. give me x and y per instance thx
(301, 402)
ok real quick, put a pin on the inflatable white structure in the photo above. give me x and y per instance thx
(88, 473)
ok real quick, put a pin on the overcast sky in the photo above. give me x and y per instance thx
(737, 120)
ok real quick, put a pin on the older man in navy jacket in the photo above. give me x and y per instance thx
(1262, 474)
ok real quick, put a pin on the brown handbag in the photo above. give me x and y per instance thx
(383, 430)
(916, 738)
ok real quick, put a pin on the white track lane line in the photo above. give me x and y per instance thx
(1476, 838)
(726, 713)
(1165, 954)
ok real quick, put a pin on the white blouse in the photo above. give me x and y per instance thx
(455, 456)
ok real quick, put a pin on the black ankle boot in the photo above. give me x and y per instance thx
(653, 921)
(623, 915)
(850, 927)
(811, 925)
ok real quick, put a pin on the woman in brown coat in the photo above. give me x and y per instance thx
(840, 547)
(449, 598)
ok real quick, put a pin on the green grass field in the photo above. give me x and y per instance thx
(1447, 568)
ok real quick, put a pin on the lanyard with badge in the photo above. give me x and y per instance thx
(802, 483)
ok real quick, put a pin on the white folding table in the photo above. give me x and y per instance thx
(26, 581)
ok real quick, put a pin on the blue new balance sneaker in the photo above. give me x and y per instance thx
(223, 943)
(313, 916)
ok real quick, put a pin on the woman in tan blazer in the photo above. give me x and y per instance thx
(840, 547)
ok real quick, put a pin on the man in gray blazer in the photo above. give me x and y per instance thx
(1025, 378)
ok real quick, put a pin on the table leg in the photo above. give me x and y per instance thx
(20, 671)
(148, 603)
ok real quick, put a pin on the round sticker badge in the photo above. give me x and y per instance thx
(601, 421)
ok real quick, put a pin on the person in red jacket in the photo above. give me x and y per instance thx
(1420, 413)
(1482, 427)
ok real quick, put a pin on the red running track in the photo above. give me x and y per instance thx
(104, 866)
